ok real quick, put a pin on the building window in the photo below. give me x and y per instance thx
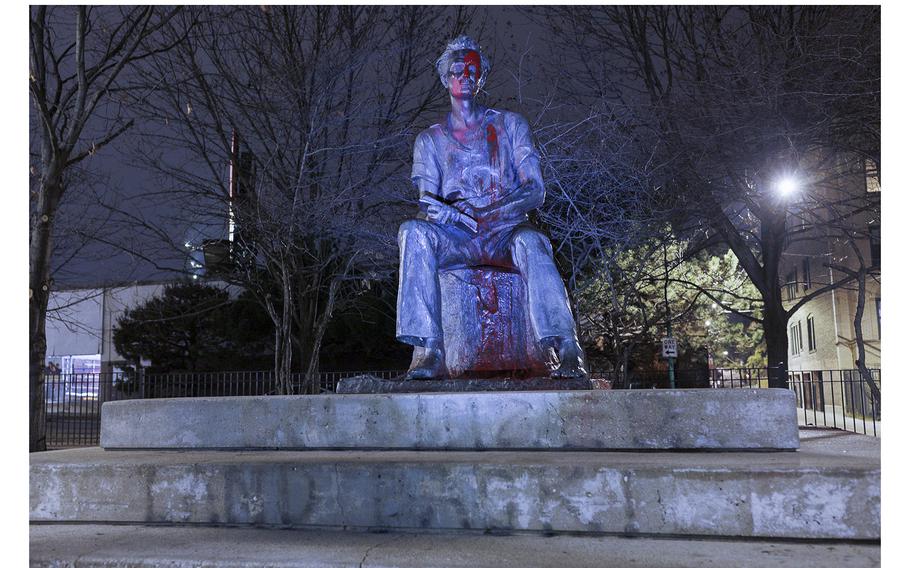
(791, 284)
(810, 332)
(807, 273)
(796, 340)
(873, 179)
(875, 244)
(878, 314)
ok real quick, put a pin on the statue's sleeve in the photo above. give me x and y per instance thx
(425, 173)
(524, 153)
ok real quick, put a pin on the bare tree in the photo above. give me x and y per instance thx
(733, 98)
(315, 109)
(76, 56)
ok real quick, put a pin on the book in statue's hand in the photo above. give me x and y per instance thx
(463, 219)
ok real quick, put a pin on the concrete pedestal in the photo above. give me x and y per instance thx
(487, 331)
(828, 489)
(728, 419)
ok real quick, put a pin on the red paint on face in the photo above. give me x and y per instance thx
(471, 71)
(472, 66)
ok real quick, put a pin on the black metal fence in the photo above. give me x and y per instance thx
(73, 401)
(682, 379)
(830, 398)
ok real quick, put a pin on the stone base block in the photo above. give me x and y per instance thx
(486, 326)
(728, 419)
(832, 494)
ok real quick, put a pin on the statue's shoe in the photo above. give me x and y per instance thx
(432, 365)
(571, 362)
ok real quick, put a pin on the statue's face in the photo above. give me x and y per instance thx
(464, 75)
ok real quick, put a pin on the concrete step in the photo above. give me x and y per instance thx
(106, 546)
(758, 419)
(830, 488)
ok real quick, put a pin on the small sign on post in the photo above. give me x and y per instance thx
(669, 347)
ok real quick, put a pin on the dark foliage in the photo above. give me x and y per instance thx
(365, 338)
(193, 327)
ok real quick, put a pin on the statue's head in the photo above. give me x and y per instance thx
(462, 65)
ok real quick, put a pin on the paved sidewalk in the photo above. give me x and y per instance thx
(109, 546)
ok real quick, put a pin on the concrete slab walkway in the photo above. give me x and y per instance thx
(90, 546)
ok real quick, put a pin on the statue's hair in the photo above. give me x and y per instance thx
(453, 48)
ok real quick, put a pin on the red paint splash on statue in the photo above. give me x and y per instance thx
(493, 145)
(493, 188)
(493, 150)
(472, 66)
(492, 337)
(491, 352)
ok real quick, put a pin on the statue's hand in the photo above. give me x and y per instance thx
(442, 213)
(466, 208)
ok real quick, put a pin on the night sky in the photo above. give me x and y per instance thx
(117, 194)
(115, 177)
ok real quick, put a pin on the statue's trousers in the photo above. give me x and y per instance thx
(427, 247)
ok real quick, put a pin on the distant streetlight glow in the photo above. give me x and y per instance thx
(787, 186)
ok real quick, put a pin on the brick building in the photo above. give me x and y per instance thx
(840, 234)
(836, 235)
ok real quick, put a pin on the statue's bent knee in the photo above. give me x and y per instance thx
(417, 227)
(527, 240)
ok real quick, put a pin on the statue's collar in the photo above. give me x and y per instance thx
(489, 114)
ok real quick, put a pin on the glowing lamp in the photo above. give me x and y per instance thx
(787, 186)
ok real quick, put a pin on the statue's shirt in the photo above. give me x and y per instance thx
(483, 169)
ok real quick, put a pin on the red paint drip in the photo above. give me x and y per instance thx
(493, 149)
(493, 145)
(492, 340)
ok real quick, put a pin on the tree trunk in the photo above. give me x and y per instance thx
(625, 365)
(774, 316)
(39, 293)
(305, 329)
(284, 346)
(860, 341)
(37, 441)
(312, 372)
(283, 352)
(281, 315)
(774, 325)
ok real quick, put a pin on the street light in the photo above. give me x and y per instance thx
(786, 186)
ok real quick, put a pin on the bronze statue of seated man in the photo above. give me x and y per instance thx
(478, 174)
